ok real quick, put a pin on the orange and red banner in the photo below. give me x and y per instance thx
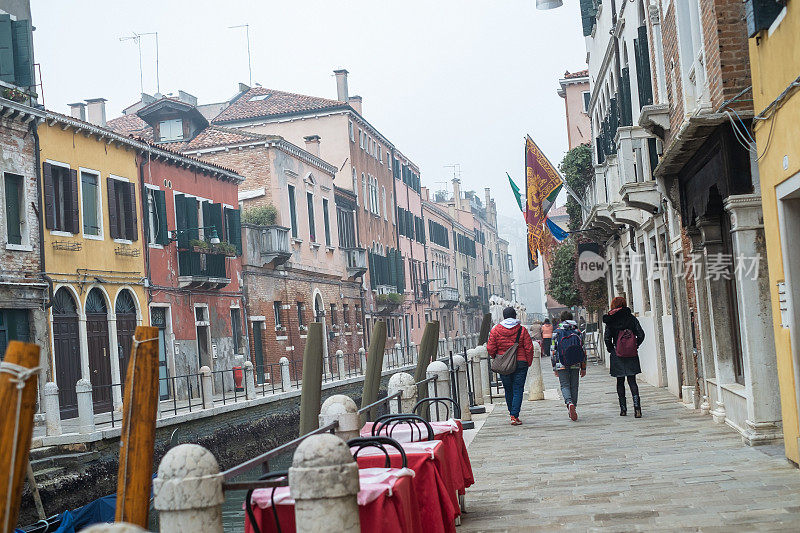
(542, 184)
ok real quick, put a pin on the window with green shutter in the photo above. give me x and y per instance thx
(16, 53)
(326, 222)
(180, 221)
(588, 15)
(14, 201)
(233, 221)
(642, 54)
(293, 209)
(158, 213)
(6, 49)
(90, 183)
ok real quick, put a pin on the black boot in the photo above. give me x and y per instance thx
(623, 406)
(637, 406)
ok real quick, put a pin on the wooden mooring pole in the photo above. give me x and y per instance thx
(18, 376)
(137, 440)
(312, 379)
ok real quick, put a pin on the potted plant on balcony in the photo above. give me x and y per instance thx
(224, 248)
(265, 215)
(389, 302)
(199, 246)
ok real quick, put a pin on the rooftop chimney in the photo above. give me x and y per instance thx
(341, 85)
(457, 192)
(78, 110)
(355, 103)
(312, 144)
(97, 111)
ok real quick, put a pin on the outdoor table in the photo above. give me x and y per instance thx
(434, 497)
(456, 467)
(386, 503)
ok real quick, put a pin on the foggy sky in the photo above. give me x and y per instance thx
(446, 81)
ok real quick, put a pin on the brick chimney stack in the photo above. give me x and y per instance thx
(312, 144)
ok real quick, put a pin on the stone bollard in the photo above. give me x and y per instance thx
(323, 481)
(398, 354)
(286, 377)
(83, 388)
(249, 381)
(486, 375)
(404, 383)
(342, 409)
(116, 527)
(187, 492)
(474, 360)
(535, 383)
(460, 364)
(207, 383)
(340, 364)
(438, 388)
(362, 355)
(52, 409)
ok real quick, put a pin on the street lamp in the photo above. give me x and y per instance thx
(548, 4)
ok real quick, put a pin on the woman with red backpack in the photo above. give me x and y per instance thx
(623, 336)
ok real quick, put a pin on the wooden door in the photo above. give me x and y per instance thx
(99, 356)
(66, 343)
(258, 347)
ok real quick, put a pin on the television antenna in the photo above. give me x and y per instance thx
(247, 34)
(138, 38)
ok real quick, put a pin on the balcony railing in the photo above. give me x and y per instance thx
(275, 244)
(448, 297)
(356, 259)
(199, 269)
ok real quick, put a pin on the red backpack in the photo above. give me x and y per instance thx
(626, 344)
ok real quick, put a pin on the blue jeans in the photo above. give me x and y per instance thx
(569, 378)
(514, 386)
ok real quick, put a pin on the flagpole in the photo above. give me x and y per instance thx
(563, 181)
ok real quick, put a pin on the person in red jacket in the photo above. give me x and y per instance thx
(501, 338)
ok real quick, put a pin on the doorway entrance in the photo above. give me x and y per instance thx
(125, 310)
(158, 319)
(66, 345)
(99, 356)
(258, 348)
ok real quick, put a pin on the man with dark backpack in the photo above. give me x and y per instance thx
(569, 361)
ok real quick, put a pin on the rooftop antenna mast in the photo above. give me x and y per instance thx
(138, 38)
(247, 33)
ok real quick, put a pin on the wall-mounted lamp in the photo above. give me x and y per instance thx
(213, 238)
(548, 4)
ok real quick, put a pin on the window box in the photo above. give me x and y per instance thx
(303, 329)
(280, 328)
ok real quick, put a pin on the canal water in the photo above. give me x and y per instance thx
(232, 510)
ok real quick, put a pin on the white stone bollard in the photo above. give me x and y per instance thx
(460, 365)
(286, 377)
(486, 375)
(362, 355)
(52, 410)
(249, 381)
(398, 353)
(116, 527)
(402, 382)
(535, 383)
(474, 360)
(323, 481)
(438, 388)
(342, 409)
(340, 364)
(83, 388)
(207, 383)
(187, 492)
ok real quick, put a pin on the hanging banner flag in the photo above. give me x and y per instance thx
(517, 193)
(542, 184)
(558, 233)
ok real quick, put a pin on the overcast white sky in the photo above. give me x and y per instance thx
(446, 81)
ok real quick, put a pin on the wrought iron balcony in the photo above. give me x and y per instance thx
(356, 259)
(196, 269)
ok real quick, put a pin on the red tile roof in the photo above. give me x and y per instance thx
(580, 74)
(276, 103)
(127, 124)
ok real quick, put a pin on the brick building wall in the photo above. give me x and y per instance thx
(726, 48)
(672, 66)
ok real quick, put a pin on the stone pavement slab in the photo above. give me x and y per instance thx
(672, 470)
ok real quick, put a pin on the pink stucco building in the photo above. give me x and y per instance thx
(574, 89)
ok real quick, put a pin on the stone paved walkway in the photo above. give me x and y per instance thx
(672, 470)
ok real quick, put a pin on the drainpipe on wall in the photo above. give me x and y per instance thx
(49, 370)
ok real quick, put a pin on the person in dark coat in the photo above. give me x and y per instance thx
(618, 319)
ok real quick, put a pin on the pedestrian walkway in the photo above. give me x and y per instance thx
(672, 470)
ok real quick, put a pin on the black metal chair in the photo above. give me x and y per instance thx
(390, 422)
(442, 400)
(249, 505)
(379, 442)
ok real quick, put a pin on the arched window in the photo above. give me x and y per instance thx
(95, 302)
(64, 303)
(125, 303)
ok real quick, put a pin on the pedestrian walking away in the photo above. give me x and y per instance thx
(623, 336)
(502, 337)
(547, 337)
(569, 361)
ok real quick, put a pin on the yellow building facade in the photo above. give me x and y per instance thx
(775, 63)
(93, 252)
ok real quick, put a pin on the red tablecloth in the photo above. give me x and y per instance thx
(386, 507)
(434, 495)
(456, 467)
